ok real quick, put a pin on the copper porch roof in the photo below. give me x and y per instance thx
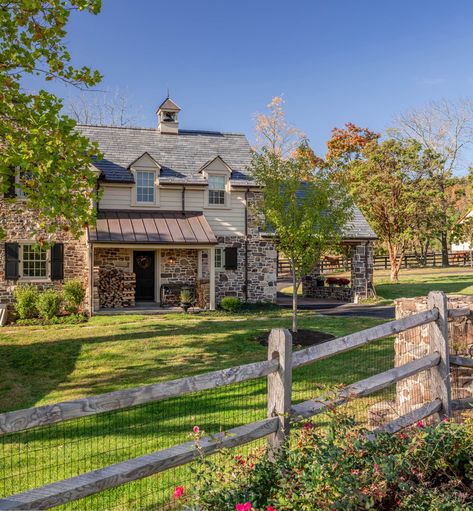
(157, 227)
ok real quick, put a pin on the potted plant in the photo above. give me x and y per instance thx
(343, 282)
(186, 299)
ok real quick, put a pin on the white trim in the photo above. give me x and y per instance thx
(21, 277)
(134, 189)
(227, 192)
(157, 276)
(222, 258)
(212, 277)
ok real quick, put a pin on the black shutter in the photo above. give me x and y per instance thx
(231, 258)
(10, 191)
(12, 261)
(57, 261)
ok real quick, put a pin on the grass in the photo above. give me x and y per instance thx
(49, 364)
(417, 282)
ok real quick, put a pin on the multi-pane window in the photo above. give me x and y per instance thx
(217, 190)
(144, 186)
(21, 179)
(35, 262)
(219, 258)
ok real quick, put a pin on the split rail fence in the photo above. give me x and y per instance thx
(278, 369)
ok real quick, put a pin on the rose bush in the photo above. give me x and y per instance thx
(425, 468)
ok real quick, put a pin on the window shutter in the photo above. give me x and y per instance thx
(231, 258)
(12, 261)
(57, 261)
(10, 192)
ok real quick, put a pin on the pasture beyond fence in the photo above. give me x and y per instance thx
(281, 405)
(381, 262)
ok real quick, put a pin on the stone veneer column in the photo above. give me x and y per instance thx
(362, 271)
(413, 344)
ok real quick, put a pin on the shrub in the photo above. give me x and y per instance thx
(339, 467)
(230, 304)
(338, 281)
(185, 296)
(26, 298)
(71, 319)
(74, 294)
(49, 303)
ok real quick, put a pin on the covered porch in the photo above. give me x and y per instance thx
(141, 261)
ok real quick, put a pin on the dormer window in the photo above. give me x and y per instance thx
(145, 192)
(217, 190)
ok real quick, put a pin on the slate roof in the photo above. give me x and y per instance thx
(358, 228)
(180, 156)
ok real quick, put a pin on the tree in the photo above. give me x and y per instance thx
(388, 185)
(41, 150)
(444, 127)
(306, 210)
(101, 108)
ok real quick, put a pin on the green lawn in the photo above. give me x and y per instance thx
(418, 282)
(46, 365)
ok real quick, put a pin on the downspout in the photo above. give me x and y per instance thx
(91, 278)
(183, 199)
(366, 269)
(246, 245)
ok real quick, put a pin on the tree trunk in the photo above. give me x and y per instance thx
(444, 242)
(395, 261)
(295, 286)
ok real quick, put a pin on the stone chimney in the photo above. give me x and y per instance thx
(168, 113)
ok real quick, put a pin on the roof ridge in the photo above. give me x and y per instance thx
(183, 131)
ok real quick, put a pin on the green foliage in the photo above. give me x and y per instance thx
(185, 296)
(74, 295)
(71, 319)
(54, 159)
(26, 297)
(339, 468)
(49, 303)
(230, 304)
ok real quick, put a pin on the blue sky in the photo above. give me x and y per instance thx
(334, 61)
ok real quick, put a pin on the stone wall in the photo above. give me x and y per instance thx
(362, 271)
(310, 289)
(20, 225)
(262, 269)
(414, 344)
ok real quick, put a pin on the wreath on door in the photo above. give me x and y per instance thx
(144, 262)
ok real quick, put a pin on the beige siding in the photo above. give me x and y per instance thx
(224, 222)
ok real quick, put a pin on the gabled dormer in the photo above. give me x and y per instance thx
(217, 172)
(145, 170)
(168, 117)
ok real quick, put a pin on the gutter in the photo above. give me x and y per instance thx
(246, 244)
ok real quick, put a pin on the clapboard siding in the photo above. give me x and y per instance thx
(223, 221)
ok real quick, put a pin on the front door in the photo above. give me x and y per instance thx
(144, 268)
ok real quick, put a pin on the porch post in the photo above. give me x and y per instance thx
(212, 277)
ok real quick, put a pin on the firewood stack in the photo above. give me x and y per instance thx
(116, 288)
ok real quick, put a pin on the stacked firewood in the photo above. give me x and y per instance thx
(116, 288)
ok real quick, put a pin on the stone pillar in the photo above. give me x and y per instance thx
(413, 344)
(362, 271)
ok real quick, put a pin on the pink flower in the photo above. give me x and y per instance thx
(271, 508)
(178, 492)
(196, 429)
(244, 507)
(402, 436)
(376, 467)
(420, 424)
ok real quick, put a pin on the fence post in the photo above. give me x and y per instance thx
(438, 334)
(280, 384)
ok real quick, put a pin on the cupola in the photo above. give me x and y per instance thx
(168, 123)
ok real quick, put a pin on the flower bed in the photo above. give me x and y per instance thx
(339, 468)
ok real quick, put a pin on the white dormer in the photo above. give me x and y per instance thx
(217, 173)
(145, 170)
(168, 122)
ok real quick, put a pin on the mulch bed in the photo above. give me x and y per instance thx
(301, 338)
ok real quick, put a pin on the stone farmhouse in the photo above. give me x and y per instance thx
(176, 212)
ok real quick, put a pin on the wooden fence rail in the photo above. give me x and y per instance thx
(278, 370)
